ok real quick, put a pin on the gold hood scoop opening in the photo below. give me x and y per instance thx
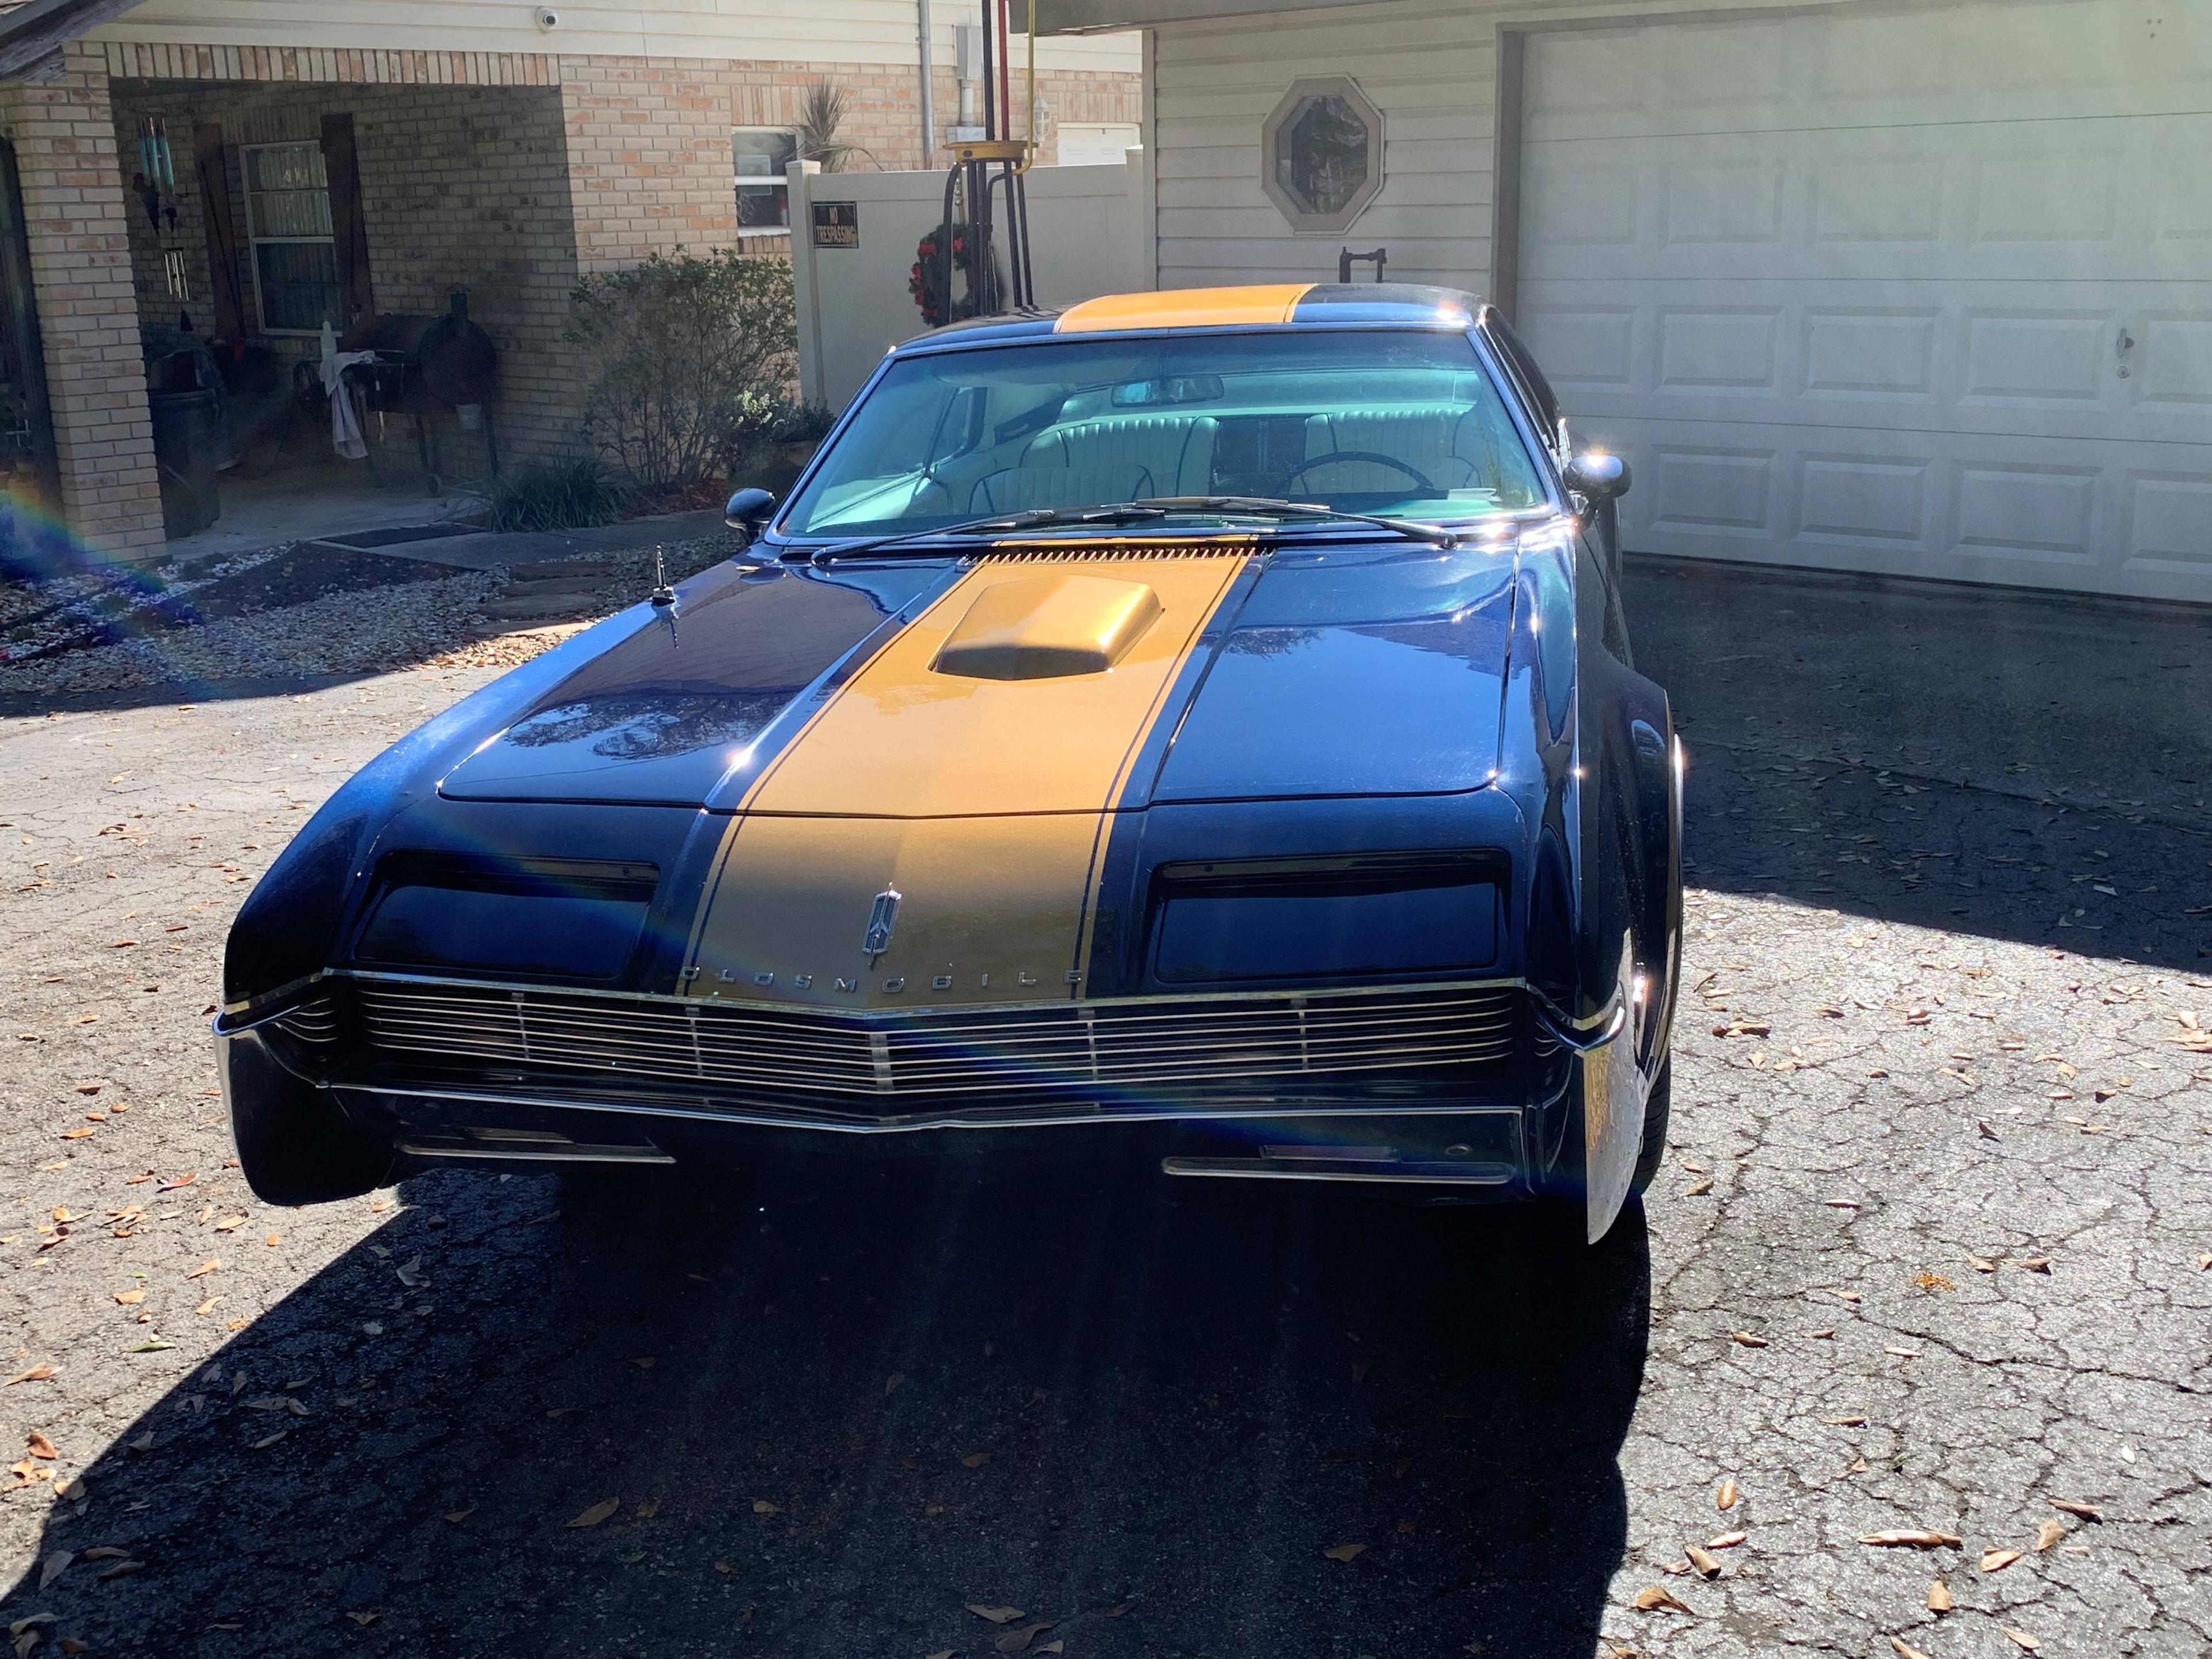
(1043, 628)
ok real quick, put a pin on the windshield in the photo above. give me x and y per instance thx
(1402, 423)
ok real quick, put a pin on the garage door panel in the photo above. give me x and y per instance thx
(2061, 60)
(1925, 291)
(2090, 200)
(1826, 351)
(2035, 513)
(2166, 513)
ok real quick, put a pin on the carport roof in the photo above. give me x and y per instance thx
(31, 30)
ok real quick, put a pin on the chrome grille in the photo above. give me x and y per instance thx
(1196, 1043)
(315, 1020)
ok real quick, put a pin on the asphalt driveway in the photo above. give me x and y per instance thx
(1930, 1259)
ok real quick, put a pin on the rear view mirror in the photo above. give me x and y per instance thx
(748, 513)
(1596, 475)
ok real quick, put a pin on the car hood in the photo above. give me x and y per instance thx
(1039, 682)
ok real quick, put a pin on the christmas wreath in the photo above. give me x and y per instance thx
(926, 279)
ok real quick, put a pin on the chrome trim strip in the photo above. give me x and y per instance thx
(645, 1155)
(1257, 1168)
(1395, 987)
(1073, 1112)
(1585, 1035)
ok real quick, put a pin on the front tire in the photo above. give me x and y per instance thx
(1652, 1151)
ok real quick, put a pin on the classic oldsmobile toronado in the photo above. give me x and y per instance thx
(1208, 710)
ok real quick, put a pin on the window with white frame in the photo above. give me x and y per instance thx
(760, 154)
(288, 215)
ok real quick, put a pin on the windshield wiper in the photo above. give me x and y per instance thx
(1138, 511)
(1271, 507)
(1035, 518)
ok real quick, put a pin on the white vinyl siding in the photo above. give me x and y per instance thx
(1429, 69)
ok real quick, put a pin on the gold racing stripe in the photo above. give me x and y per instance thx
(1185, 307)
(983, 803)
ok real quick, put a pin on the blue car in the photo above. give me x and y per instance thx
(1206, 714)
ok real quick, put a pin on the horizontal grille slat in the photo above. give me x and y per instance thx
(1156, 1045)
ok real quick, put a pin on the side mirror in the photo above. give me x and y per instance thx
(1596, 475)
(748, 513)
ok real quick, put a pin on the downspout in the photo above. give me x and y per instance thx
(928, 87)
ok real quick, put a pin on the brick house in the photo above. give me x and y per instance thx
(177, 170)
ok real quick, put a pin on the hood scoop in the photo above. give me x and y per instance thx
(1047, 628)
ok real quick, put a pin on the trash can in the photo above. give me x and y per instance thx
(187, 447)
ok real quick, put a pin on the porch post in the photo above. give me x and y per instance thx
(74, 209)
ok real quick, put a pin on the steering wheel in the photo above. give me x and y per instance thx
(1428, 485)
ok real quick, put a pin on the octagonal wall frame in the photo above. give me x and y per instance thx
(1301, 218)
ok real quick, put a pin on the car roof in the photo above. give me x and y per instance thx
(1274, 305)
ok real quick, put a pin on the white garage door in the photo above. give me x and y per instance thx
(1927, 293)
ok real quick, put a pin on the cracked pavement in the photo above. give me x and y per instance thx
(1930, 1252)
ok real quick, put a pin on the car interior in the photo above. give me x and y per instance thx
(1414, 438)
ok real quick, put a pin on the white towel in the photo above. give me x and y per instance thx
(345, 425)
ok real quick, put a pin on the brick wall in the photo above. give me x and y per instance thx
(506, 173)
(74, 209)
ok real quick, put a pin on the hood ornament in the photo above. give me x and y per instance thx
(881, 920)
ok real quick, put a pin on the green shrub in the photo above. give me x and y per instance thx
(689, 353)
(569, 494)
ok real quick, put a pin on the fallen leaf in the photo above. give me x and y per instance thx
(411, 1273)
(208, 1306)
(2020, 1638)
(648, 1510)
(1016, 1640)
(976, 1460)
(1904, 1649)
(1707, 1564)
(2084, 1511)
(892, 1383)
(184, 1180)
(761, 1506)
(1925, 1538)
(1998, 1560)
(106, 1553)
(1939, 1597)
(599, 1512)
(151, 1345)
(54, 1565)
(1726, 1541)
(1747, 1339)
(1725, 1498)
(364, 1619)
(212, 1265)
(1657, 1596)
(1698, 1188)
(2033, 1264)
(274, 1240)
(267, 1441)
(1344, 1552)
(2049, 1534)
(124, 1570)
(78, 1134)
(1055, 1645)
(1981, 1264)
(39, 1446)
(143, 1443)
(1845, 1422)
(996, 1615)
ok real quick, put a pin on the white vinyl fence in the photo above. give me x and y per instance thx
(1088, 234)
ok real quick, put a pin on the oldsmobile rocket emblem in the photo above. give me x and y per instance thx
(881, 920)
